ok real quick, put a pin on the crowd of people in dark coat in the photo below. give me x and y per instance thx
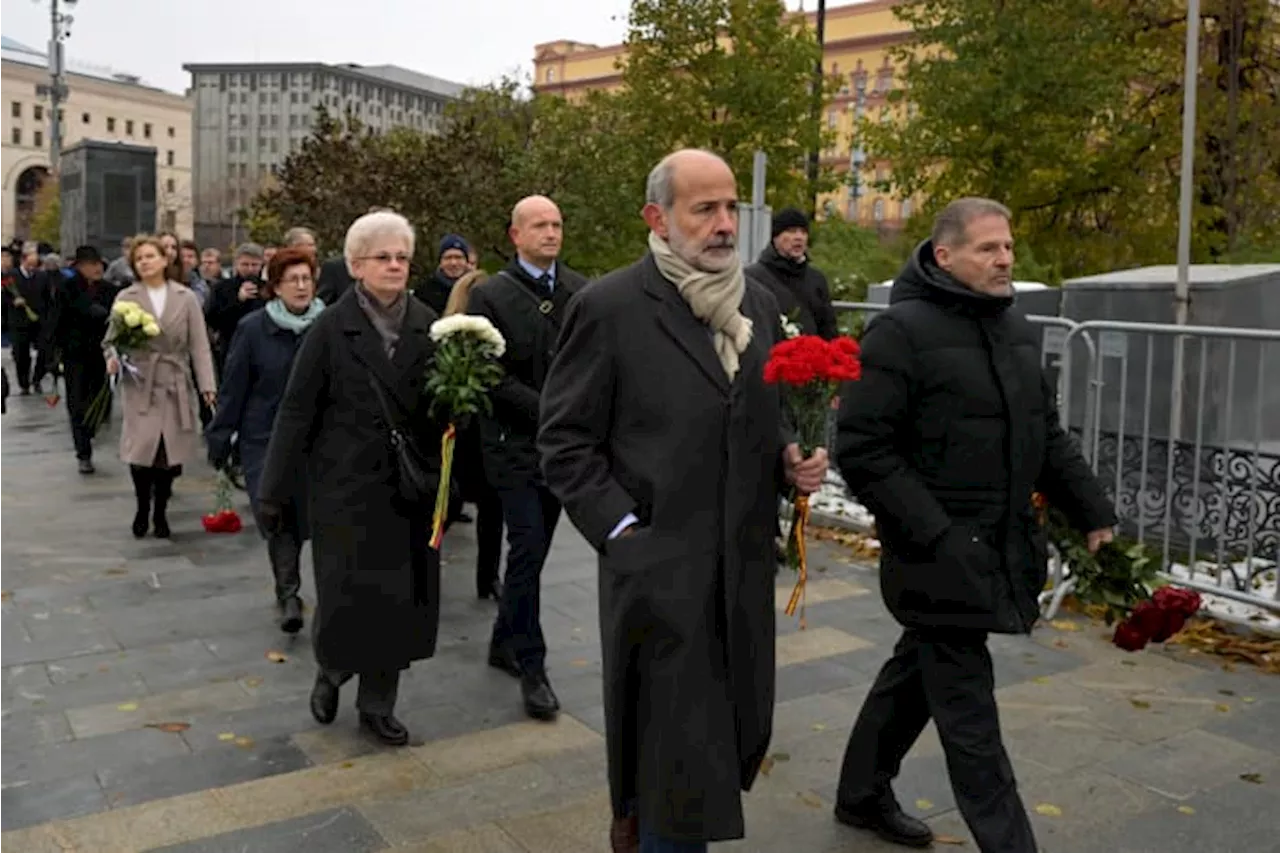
(637, 405)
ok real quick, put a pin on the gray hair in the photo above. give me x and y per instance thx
(52, 261)
(368, 229)
(30, 248)
(293, 234)
(660, 188)
(950, 228)
(252, 250)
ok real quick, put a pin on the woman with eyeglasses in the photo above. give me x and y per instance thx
(354, 402)
(253, 382)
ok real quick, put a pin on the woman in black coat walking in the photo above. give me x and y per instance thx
(253, 382)
(358, 376)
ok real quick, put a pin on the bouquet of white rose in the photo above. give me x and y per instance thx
(129, 328)
(463, 370)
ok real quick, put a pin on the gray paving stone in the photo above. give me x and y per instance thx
(92, 691)
(210, 768)
(83, 757)
(1192, 762)
(25, 729)
(27, 804)
(1018, 659)
(1231, 818)
(335, 831)
(262, 723)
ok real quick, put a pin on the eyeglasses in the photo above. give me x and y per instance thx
(297, 279)
(385, 258)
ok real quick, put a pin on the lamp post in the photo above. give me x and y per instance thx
(59, 31)
(1182, 286)
(817, 108)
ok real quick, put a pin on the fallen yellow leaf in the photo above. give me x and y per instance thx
(254, 681)
(1065, 625)
(225, 736)
(1248, 700)
(766, 766)
(923, 805)
(811, 799)
(347, 765)
(1222, 707)
(171, 728)
(1140, 704)
(949, 839)
(1040, 679)
(1186, 810)
(819, 727)
(127, 706)
(1048, 810)
(578, 662)
(277, 657)
(244, 742)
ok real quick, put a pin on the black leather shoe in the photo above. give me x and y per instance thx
(387, 729)
(501, 659)
(540, 700)
(86, 466)
(140, 525)
(161, 523)
(887, 819)
(324, 700)
(291, 615)
(492, 590)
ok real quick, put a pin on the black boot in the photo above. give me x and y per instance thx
(163, 490)
(285, 551)
(883, 816)
(142, 484)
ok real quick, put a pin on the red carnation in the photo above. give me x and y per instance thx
(1184, 602)
(1129, 637)
(1151, 620)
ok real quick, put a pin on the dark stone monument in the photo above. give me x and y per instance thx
(108, 192)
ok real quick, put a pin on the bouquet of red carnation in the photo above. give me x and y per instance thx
(1157, 619)
(223, 519)
(810, 371)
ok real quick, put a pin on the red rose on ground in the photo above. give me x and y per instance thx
(1185, 602)
(1173, 623)
(1150, 620)
(1129, 637)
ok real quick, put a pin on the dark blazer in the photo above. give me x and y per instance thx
(639, 416)
(509, 299)
(334, 280)
(34, 287)
(950, 430)
(377, 580)
(801, 290)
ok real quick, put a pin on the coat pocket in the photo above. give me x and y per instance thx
(958, 577)
(631, 553)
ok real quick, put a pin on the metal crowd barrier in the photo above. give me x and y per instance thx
(1193, 466)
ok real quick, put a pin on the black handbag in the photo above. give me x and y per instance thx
(415, 480)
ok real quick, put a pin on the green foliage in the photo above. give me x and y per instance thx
(46, 224)
(463, 370)
(728, 75)
(732, 76)
(1069, 112)
(854, 258)
(1117, 578)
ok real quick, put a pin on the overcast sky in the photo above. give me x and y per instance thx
(469, 41)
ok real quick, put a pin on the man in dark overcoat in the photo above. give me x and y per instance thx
(950, 431)
(669, 452)
(803, 295)
(526, 302)
(359, 373)
(79, 314)
(26, 301)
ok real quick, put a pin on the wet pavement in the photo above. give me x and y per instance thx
(150, 703)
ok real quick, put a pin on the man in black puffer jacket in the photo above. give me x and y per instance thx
(800, 288)
(951, 429)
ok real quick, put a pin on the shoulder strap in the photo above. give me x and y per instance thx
(544, 306)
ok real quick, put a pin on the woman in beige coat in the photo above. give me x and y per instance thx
(161, 428)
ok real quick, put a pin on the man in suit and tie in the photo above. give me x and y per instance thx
(526, 301)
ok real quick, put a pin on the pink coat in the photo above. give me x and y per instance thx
(160, 402)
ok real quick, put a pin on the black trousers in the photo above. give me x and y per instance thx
(85, 377)
(377, 692)
(284, 550)
(946, 675)
(531, 513)
(489, 524)
(26, 337)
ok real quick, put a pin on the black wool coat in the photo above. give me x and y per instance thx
(508, 436)
(639, 416)
(951, 429)
(377, 581)
(801, 290)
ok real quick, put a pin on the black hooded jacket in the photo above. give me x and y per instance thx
(950, 430)
(801, 290)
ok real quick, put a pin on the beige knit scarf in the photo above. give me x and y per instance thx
(714, 298)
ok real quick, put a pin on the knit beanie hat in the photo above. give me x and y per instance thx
(788, 218)
(453, 241)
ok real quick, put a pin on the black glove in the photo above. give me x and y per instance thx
(217, 458)
(270, 516)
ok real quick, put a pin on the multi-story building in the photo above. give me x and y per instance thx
(857, 42)
(249, 117)
(101, 105)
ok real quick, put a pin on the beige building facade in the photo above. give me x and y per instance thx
(859, 38)
(106, 108)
